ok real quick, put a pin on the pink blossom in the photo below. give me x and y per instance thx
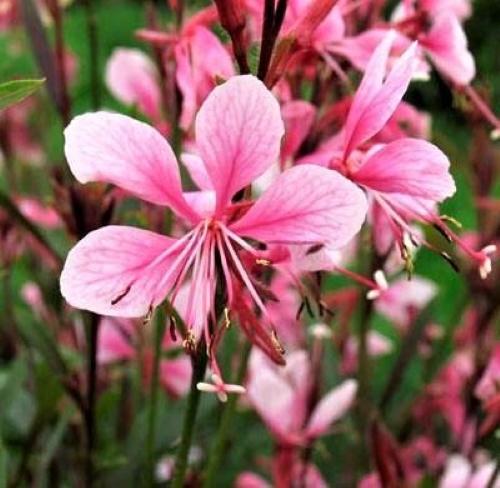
(125, 271)
(405, 299)
(460, 473)
(489, 384)
(280, 396)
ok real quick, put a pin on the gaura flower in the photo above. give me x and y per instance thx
(126, 271)
(280, 395)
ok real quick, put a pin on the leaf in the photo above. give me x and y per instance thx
(15, 91)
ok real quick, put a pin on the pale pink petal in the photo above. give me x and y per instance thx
(113, 344)
(201, 59)
(133, 79)
(374, 102)
(446, 45)
(457, 472)
(405, 297)
(410, 167)
(273, 399)
(175, 375)
(331, 29)
(39, 214)
(197, 171)
(306, 204)
(116, 149)
(298, 116)
(251, 480)
(118, 271)
(202, 202)
(186, 83)
(238, 134)
(331, 408)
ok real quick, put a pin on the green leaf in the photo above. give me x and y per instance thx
(13, 92)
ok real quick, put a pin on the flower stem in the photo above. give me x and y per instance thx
(92, 34)
(199, 361)
(90, 426)
(150, 441)
(220, 442)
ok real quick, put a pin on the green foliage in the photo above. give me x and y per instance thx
(13, 92)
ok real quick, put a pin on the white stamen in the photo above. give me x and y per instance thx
(486, 267)
(320, 331)
(381, 280)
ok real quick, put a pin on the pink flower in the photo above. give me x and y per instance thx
(116, 343)
(133, 79)
(280, 396)
(489, 384)
(408, 177)
(125, 271)
(446, 45)
(405, 299)
(460, 473)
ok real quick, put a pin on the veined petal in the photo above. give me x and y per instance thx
(119, 271)
(410, 167)
(331, 408)
(307, 204)
(375, 102)
(238, 134)
(116, 149)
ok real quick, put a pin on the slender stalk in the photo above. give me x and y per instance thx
(61, 62)
(93, 38)
(90, 420)
(199, 362)
(153, 406)
(266, 46)
(219, 444)
(494, 476)
(481, 106)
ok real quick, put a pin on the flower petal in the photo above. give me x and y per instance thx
(238, 134)
(132, 78)
(307, 204)
(410, 167)
(331, 408)
(116, 149)
(112, 271)
(374, 102)
(446, 45)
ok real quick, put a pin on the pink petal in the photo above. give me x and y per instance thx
(306, 204)
(197, 171)
(331, 408)
(375, 102)
(201, 58)
(112, 342)
(298, 116)
(132, 78)
(410, 167)
(457, 472)
(116, 149)
(446, 45)
(175, 375)
(251, 480)
(238, 134)
(112, 271)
